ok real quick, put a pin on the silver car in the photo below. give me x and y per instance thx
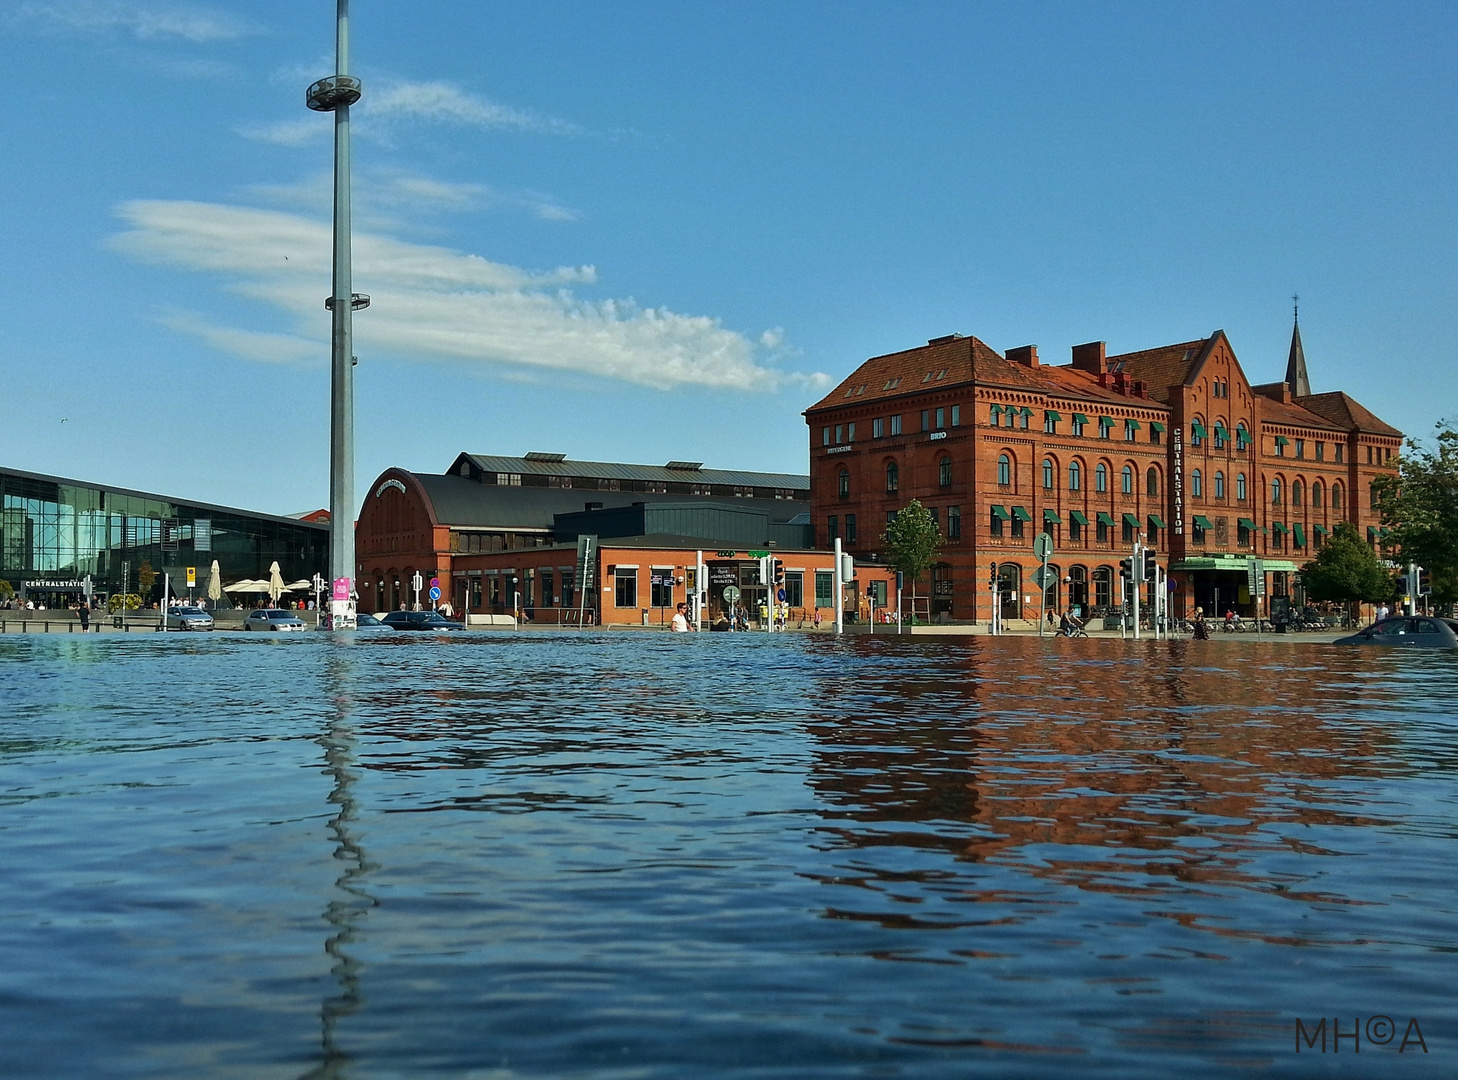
(1408, 632)
(273, 619)
(188, 618)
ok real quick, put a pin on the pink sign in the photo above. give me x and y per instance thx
(341, 588)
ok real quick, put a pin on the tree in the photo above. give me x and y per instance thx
(1420, 505)
(1347, 571)
(7, 590)
(146, 578)
(911, 543)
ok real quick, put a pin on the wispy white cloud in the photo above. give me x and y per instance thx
(146, 21)
(435, 303)
(264, 348)
(382, 197)
(446, 103)
(305, 129)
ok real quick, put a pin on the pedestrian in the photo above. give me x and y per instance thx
(1202, 631)
(681, 624)
(1064, 626)
(85, 612)
(1382, 612)
(817, 617)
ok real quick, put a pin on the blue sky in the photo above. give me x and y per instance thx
(643, 232)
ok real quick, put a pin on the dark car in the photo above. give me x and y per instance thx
(420, 620)
(1409, 632)
(366, 621)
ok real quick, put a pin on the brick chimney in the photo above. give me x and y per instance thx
(1089, 357)
(1027, 355)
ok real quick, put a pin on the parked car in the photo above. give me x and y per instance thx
(366, 621)
(1407, 631)
(273, 619)
(188, 618)
(420, 620)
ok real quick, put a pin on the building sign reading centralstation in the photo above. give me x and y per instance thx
(1178, 481)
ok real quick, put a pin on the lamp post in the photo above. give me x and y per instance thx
(336, 94)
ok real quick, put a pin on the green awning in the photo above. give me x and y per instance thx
(1242, 437)
(1131, 521)
(1220, 432)
(1052, 515)
(1106, 421)
(1026, 411)
(1281, 440)
(1155, 425)
(1384, 533)
(1105, 519)
(996, 410)
(1022, 514)
(1247, 523)
(1198, 429)
(1051, 415)
(1202, 521)
(1077, 515)
(1278, 526)
(1321, 530)
(1079, 418)
(1300, 534)
(1000, 513)
(1371, 533)
(1156, 521)
(1132, 424)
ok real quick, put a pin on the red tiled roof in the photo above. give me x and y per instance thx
(1279, 412)
(1340, 410)
(1166, 366)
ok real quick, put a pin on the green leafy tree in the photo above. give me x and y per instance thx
(7, 590)
(146, 578)
(911, 544)
(1420, 505)
(116, 601)
(1347, 571)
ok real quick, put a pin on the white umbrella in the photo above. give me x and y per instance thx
(247, 585)
(215, 583)
(275, 583)
(299, 586)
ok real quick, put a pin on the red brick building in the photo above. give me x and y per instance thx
(1172, 446)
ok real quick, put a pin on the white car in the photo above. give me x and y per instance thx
(188, 618)
(273, 619)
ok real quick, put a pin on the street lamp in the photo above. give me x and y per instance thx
(336, 94)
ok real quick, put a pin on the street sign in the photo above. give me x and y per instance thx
(731, 593)
(192, 577)
(1255, 570)
(780, 596)
(417, 582)
(435, 592)
(1042, 545)
(1045, 577)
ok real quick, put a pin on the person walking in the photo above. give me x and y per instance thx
(85, 612)
(681, 624)
(1202, 631)
(1382, 612)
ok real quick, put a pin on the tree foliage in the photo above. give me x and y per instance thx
(146, 577)
(912, 542)
(1420, 506)
(7, 590)
(116, 601)
(1346, 570)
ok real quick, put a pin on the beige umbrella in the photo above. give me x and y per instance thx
(215, 583)
(275, 583)
(299, 586)
(247, 585)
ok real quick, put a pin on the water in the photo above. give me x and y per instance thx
(635, 855)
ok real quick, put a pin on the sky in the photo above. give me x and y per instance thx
(647, 232)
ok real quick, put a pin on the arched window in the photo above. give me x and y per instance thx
(893, 476)
(1240, 487)
(1336, 496)
(1316, 494)
(1127, 480)
(1151, 482)
(944, 472)
(845, 483)
(1048, 471)
(1075, 476)
(1297, 491)
(1101, 478)
(1241, 435)
(1220, 485)
(1004, 470)
(1276, 492)
(1197, 484)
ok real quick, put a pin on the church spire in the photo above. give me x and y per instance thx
(1296, 377)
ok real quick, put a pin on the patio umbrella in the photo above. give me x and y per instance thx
(275, 583)
(247, 585)
(215, 583)
(299, 586)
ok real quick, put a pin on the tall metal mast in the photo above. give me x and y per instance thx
(336, 95)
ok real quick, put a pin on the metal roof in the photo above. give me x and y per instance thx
(607, 470)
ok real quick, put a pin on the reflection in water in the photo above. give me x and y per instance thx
(345, 911)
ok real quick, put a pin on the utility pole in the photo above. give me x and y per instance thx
(839, 584)
(1136, 578)
(336, 95)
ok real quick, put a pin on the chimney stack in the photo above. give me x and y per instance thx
(1089, 357)
(1027, 355)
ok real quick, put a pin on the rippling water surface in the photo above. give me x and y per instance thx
(635, 855)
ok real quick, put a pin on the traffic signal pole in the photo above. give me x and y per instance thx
(1136, 579)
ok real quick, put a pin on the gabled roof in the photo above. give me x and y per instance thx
(539, 465)
(1343, 412)
(1165, 366)
(1273, 411)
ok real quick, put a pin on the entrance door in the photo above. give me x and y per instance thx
(1010, 590)
(942, 590)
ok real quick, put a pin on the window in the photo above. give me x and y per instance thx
(1106, 425)
(1220, 485)
(845, 483)
(1242, 533)
(1004, 470)
(944, 472)
(546, 588)
(1197, 434)
(1078, 426)
(1297, 491)
(994, 413)
(1198, 531)
(1242, 436)
(1154, 433)
(1101, 478)
(1075, 530)
(1017, 526)
(893, 477)
(891, 516)
(1075, 475)
(1126, 480)
(896, 425)
(1300, 448)
(1103, 586)
(1151, 482)
(626, 580)
(832, 530)
(850, 432)
(1336, 496)
(1050, 423)
(941, 419)
(1280, 446)
(1197, 485)
(1276, 492)
(661, 584)
(1130, 427)
(1023, 415)
(1340, 452)
(994, 523)
(878, 428)
(954, 523)
(1151, 534)
(1316, 493)
(795, 588)
(508, 479)
(824, 588)
(1126, 530)
(1372, 496)
(1240, 487)
(850, 528)
(1101, 532)
(1321, 451)
(956, 416)
(1048, 471)
(925, 420)
(839, 433)
(936, 516)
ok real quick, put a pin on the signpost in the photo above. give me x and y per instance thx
(1042, 548)
(434, 591)
(417, 583)
(1256, 578)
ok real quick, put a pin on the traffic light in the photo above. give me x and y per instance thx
(1424, 582)
(1150, 567)
(1126, 568)
(779, 572)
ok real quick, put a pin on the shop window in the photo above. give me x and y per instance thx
(662, 586)
(626, 591)
(944, 472)
(954, 523)
(824, 588)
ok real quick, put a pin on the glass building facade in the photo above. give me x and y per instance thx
(55, 532)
